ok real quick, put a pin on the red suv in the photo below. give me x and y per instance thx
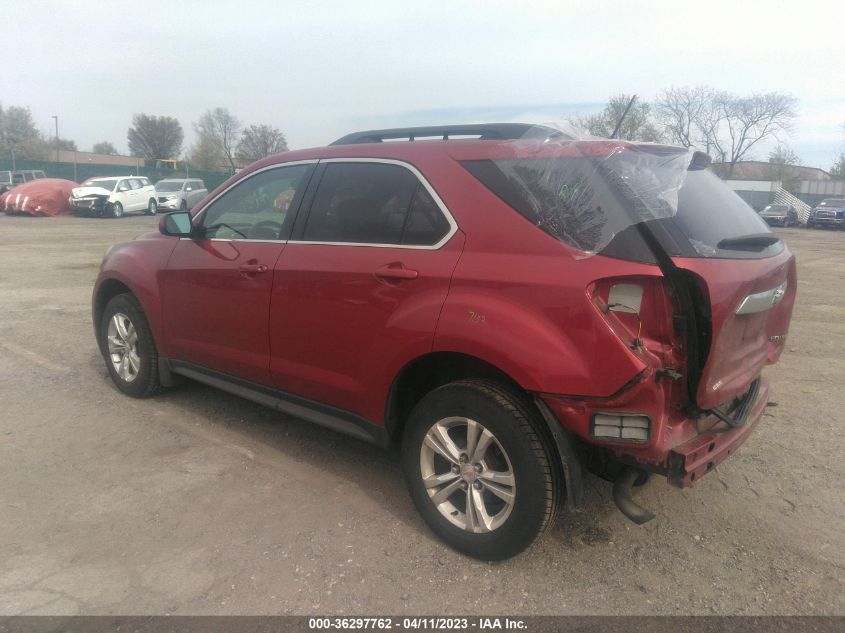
(510, 306)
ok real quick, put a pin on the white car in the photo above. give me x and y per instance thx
(179, 194)
(114, 196)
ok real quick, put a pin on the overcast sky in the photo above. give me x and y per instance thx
(320, 69)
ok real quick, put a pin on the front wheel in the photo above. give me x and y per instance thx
(479, 470)
(152, 207)
(116, 210)
(128, 347)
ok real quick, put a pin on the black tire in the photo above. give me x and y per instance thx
(518, 430)
(152, 207)
(117, 210)
(183, 206)
(145, 381)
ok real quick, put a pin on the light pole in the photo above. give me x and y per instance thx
(56, 118)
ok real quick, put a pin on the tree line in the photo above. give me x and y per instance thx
(222, 142)
(727, 126)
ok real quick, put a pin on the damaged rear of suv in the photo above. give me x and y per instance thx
(509, 305)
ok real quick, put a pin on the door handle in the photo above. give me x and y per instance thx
(252, 269)
(396, 272)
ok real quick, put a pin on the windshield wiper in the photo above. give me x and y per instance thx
(752, 240)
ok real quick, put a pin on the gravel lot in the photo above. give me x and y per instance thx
(197, 502)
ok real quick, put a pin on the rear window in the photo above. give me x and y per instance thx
(591, 208)
(169, 185)
(105, 184)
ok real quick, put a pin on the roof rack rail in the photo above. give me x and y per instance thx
(484, 131)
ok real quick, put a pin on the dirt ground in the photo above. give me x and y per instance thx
(197, 502)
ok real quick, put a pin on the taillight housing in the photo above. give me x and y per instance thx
(638, 309)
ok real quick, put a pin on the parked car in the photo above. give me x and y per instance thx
(829, 213)
(114, 196)
(511, 310)
(780, 215)
(9, 179)
(179, 194)
(38, 197)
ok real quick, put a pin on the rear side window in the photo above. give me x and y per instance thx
(373, 203)
(135, 183)
(594, 209)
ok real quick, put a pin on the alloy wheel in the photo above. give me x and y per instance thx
(123, 347)
(467, 474)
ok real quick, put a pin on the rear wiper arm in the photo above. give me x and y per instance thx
(752, 240)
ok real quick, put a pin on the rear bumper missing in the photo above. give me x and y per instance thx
(694, 458)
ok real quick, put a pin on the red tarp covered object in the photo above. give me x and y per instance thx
(45, 197)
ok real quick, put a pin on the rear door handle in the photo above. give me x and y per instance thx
(253, 269)
(396, 272)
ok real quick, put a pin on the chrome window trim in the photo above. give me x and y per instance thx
(453, 225)
(762, 301)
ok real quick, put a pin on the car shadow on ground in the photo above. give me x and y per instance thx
(376, 472)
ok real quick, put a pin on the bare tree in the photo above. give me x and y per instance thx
(154, 137)
(104, 148)
(685, 114)
(205, 154)
(259, 141)
(221, 129)
(838, 168)
(782, 163)
(637, 126)
(737, 124)
(62, 144)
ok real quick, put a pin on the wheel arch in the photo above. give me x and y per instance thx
(106, 291)
(430, 371)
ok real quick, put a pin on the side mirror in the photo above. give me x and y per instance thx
(177, 224)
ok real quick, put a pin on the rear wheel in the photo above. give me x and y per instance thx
(128, 347)
(478, 469)
(116, 210)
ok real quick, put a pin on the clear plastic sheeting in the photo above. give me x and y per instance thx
(586, 190)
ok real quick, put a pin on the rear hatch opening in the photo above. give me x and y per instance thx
(661, 205)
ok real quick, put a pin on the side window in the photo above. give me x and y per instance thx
(135, 183)
(257, 207)
(200, 184)
(123, 185)
(426, 225)
(145, 182)
(362, 203)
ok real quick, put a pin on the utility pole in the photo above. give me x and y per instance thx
(622, 118)
(56, 118)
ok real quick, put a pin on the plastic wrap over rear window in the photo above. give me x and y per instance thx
(586, 200)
